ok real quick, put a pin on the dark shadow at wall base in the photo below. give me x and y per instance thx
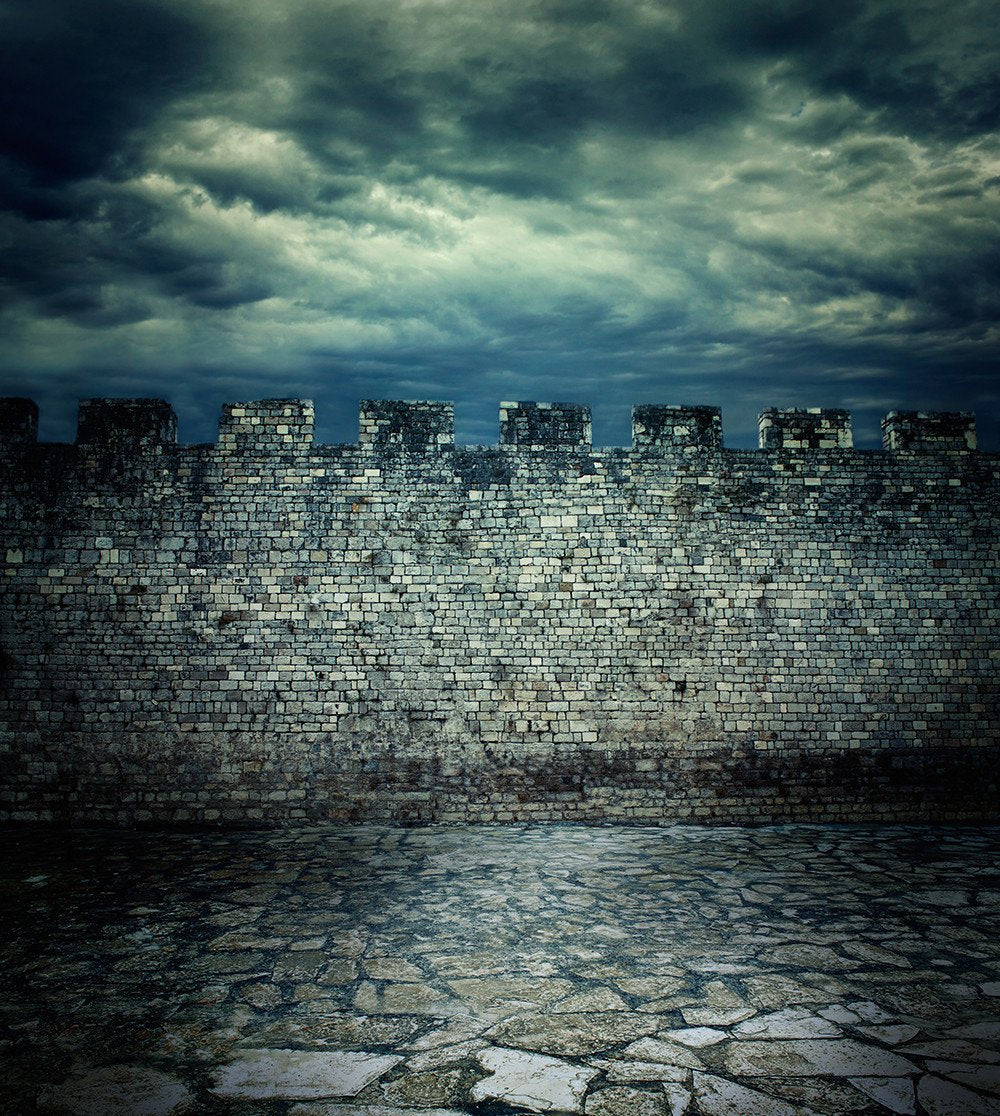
(239, 781)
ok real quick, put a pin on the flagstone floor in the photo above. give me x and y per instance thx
(606, 971)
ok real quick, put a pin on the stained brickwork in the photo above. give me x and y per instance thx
(266, 630)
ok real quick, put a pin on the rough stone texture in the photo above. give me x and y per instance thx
(300, 1074)
(541, 425)
(816, 1057)
(570, 1034)
(918, 431)
(126, 950)
(321, 1108)
(787, 428)
(119, 1091)
(533, 1080)
(942, 1098)
(620, 1100)
(656, 427)
(267, 630)
(719, 1097)
(895, 1093)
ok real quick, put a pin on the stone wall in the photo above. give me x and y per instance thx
(266, 630)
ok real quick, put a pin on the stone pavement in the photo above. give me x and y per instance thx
(377, 971)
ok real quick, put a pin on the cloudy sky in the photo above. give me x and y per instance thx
(747, 204)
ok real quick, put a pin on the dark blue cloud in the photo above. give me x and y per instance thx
(778, 202)
(80, 80)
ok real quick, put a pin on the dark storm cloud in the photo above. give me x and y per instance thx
(755, 204)
(81, 79)
(918, 70)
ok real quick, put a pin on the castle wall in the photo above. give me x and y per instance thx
(266, 630)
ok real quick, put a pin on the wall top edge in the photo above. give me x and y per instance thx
(286, 424)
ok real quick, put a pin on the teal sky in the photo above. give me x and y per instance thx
(745, 205)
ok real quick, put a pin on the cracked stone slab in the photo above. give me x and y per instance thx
(333, 1109)
(891, 1035)
(335, 1029)
(777, 991)
(503, 994)
(986, 1078)
(696, 1036)
(987, 1031)
(957, 1050)
(812, 1057)
(718, 1096)
(942, 898)
(623, 1071)
(657, 1050)
(620, 1100)
(445, 1055)
(868, 951)
(896, 1093)
(938, 1097)
(300, 1074)
(439, 1086)
(789, 1023)
(652, 988)
(808, 956)
(818, 1096)
(392, 968)
(403, 999)
(536, 1081)
(718, 1005)
(466, 965)
(453, 1033)
(837, 1013)
(600, 999)
(120, 1091)
(871, 1012)
(678, 1098)
(571, 1034)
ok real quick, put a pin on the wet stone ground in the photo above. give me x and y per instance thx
(605, 971)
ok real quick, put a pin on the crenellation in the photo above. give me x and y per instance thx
(267, 629)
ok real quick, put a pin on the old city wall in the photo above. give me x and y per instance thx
(266, 630)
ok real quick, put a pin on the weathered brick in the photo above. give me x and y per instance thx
(268, 630)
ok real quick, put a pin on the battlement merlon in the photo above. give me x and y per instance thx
(417, 426)
(658, 426)
(545, 425)
(929, 431)
(18, 422)
(125, 426)
(812, 428)
(267, 426)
